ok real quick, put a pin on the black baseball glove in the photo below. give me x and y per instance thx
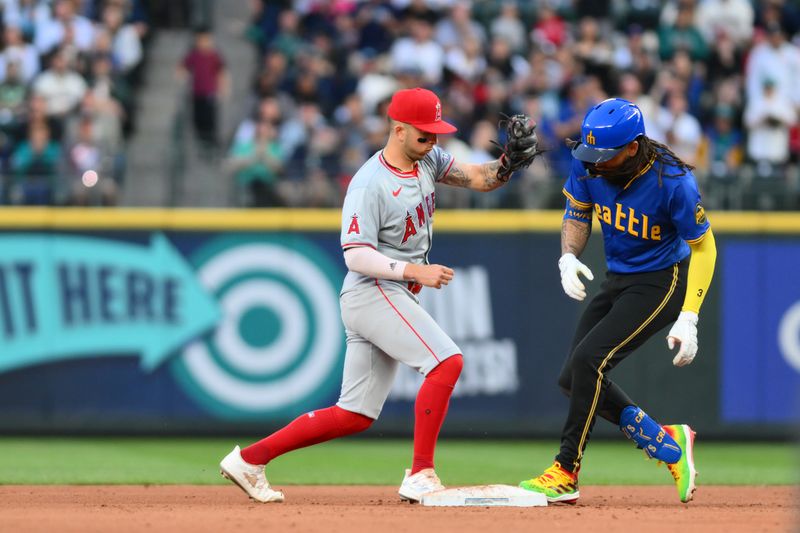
(521, 146)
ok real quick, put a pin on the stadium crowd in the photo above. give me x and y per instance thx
(718, 80)
(68, 70)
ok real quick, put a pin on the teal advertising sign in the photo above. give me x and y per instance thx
(279, 346)
(247, 325)
(67, 296)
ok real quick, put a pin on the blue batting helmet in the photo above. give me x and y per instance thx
(607, 128)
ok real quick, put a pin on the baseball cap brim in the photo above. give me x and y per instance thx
(590, 154)
(440, 126)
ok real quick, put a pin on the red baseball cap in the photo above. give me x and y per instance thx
(421, 108)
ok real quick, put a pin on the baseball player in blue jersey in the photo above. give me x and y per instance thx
(660, 253)
(386, 236)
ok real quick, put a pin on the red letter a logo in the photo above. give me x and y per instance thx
(410, 229)
(354, 226)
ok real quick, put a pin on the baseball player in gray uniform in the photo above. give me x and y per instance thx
(386, 236)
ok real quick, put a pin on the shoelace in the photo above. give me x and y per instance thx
(556, 475)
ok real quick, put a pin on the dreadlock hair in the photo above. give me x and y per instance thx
(649, 151)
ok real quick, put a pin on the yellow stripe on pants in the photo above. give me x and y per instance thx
(607, 358)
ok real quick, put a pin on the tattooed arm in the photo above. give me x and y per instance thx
(481, 177)
(574, 236)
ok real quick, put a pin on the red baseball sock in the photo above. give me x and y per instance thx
(430, 409)
(307, 429)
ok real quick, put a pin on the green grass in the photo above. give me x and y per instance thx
(374, 461)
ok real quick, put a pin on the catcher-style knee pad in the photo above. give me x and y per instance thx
(649, 435)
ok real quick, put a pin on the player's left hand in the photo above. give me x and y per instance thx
(684, 335)
(521, 147)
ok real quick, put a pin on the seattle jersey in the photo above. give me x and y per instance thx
(647, 222)
(392, 211)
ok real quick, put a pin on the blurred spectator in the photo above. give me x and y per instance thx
(264, 22)
(12, 111)
(420, 9)
(298, 134)
(457, 27)
(467, 61)
(375, 23)
(670, 9)
(34, 165)
(502, 60)
(630, 88)
(577, 99)
(12, 96)
(768, 119)
(687, 79)
(206, 68)
(36, 115)
(419, 51)
(90, 152)
(725, 59)
(375, 84)
(26, 15)
(776, 60)
(268, 109)
(256, 165)
(639, 54)
(126, 46)
(288, 40)
(733, 18)
(16, 50)
(594, 51)
(65, 28)
(682, 35)
(787, 14)
(550, 29)
(105, 114)
(724, 155)
(481, 151)
(642, 13)
(682, 130)
(509, 27)
(110, 100)
(273, 71)
(60, 85)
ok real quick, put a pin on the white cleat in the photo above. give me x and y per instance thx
(423, 482)
(250, 478)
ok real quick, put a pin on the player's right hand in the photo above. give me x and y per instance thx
(570, 267)
(429, 275)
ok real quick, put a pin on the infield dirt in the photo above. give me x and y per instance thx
(361, 509)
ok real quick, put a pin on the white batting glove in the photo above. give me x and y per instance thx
(684, 334)
(570, 268)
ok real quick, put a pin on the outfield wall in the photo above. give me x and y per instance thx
(189, 321)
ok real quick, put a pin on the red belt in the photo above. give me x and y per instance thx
(414, 287)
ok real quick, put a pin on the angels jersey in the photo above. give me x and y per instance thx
(392, 211)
